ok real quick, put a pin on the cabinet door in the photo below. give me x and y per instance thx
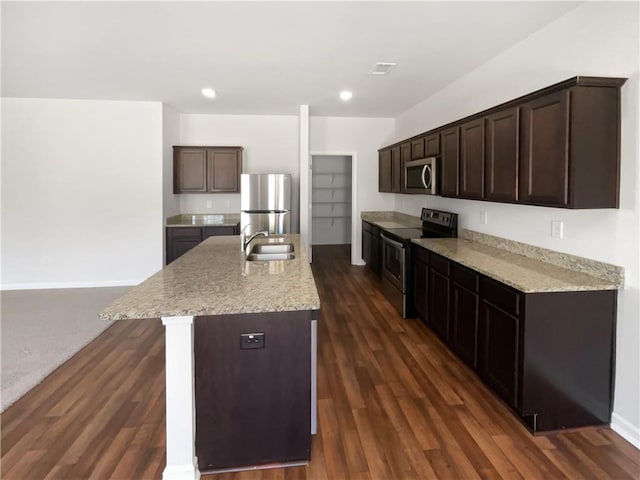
(179, 240)
(472, 159)
(405, 156)
(432, 145)
(396, 170)
(384, 171)
(189, 170)
(376, 251)
(498, 351)
(450, 158)
(464, 323)
(224, 170)
(544, 154)
(366, 247)
(438, 316)
(420, 288)
(501, 160)
(417, 149)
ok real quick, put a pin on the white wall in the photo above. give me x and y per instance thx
(81, 192)
(361, 138)
(170, 137)
(598, 39)
(270, 145)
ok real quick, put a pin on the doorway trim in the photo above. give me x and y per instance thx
(354, 193)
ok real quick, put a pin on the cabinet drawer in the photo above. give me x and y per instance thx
(464, 277)
(420, 254)
(367, 227)
(217, 231)
(500, 295)
(185, 232)
(439, 263)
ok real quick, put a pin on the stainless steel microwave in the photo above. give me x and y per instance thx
(421, 176)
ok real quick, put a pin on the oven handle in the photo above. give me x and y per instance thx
(391, 242)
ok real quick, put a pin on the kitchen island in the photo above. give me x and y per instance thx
(214, 285)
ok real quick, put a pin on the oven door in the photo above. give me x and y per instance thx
(393, 255)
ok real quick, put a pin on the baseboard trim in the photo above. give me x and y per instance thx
(626, 430)
(51, 285)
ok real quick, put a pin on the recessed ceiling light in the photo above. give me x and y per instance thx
(346, 95)
(382, 68)
(209, 92)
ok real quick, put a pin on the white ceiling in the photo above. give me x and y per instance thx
(262, 57)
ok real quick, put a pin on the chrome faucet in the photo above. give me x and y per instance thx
(246, 242)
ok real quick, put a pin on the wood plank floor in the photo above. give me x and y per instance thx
(393, 403)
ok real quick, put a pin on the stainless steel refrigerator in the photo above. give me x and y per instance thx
(265, 204)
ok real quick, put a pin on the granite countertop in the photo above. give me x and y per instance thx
(528, 275)
(204, 220)
(215, 279)
(391, 219)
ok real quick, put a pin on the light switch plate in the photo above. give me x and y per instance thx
(557, 228)
(483, 217)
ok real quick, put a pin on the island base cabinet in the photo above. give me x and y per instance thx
(253, 405)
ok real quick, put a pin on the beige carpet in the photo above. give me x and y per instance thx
(41, 329)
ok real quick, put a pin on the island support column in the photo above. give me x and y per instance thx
(182, 463)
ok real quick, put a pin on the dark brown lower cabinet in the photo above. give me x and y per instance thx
(179, 240)
(438, 295)
(464, 323)
(253, 406)
(549, 356)
(499, 361)
(420, 281)
(371, 247)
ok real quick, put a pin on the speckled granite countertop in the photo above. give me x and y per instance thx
(521, 272)
(204, 220)
(391, 219)
(214, 278)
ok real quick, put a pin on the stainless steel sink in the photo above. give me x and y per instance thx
(265, 257)
(272, 248)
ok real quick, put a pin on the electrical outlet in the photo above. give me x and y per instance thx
(557, 228)
(250, 341)
(483, 217)
(209, 204)
(226, 203)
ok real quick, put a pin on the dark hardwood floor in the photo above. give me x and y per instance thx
(393, 403)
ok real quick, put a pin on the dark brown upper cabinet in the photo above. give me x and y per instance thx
(417, 149)
(189, 170)
(384, 171)
(570, 147)
(432, 145)
(557, 147)
(472, 159)
(406, 152)
(544, 176)
(396, 170)
(206, 169)
(449, 162)
(502, 154)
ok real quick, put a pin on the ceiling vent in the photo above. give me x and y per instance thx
(382, 68)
